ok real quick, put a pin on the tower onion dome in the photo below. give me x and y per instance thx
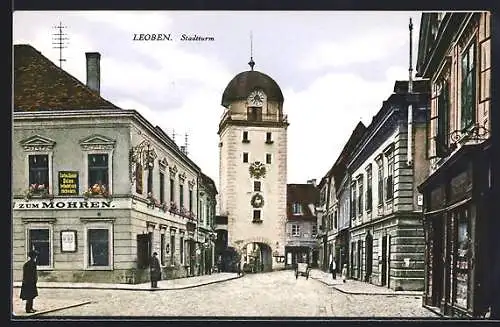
(245, 82)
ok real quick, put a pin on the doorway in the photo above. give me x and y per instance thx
(369, 256)
(437, 261)
(359, 259)
(383, 274)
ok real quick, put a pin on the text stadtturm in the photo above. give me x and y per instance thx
(169, 37)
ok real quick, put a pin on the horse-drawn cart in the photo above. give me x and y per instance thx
(302, 269)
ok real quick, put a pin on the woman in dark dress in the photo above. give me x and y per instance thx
(30, 277)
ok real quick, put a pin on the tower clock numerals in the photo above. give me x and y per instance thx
(256, 98)
(257, 170)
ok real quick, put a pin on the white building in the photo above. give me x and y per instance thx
(253, 168)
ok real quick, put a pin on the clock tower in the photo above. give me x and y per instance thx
(253, 169)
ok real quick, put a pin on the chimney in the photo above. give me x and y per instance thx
(312, 181)
(94, 71)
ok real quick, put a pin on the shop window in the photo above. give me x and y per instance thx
(143, 250)
(39, 239)
(98, 247)
(181, 249)
(172, 249)
(38, 173)
(463, 257)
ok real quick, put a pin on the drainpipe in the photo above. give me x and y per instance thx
(410, 106)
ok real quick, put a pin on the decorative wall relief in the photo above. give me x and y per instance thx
(257, 170)
(173, 171)
(257, 201)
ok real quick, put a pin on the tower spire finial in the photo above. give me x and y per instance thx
(251, 62)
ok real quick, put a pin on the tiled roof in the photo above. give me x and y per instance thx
(305, 194)
(40, 85)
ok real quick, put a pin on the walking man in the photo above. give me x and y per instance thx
(28, 289)
(155, 270)
(333, 267)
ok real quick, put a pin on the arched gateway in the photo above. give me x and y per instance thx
(253, 168)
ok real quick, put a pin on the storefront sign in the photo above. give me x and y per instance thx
(68, 183)
(68, 241)
(71, 203)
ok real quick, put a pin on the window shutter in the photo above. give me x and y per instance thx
(433, 123)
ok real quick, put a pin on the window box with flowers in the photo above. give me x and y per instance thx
(38, 190)
(97, 190)
(173, 207)
(191, 215)
(184, 212)
(152, 202)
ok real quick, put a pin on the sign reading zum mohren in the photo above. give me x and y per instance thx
(66, 204)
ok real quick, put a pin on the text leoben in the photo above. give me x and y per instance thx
(66, 205)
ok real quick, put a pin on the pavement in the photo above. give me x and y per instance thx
(60, 304)
(356, 287)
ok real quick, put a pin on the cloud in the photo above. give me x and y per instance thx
(372, 46)
(323, 116)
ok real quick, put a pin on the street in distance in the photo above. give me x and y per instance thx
(169, 37)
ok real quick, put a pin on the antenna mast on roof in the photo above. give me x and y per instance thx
(173, 135)
(59, 41)
(186, 144)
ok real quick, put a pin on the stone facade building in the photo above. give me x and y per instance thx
(97, 189)
(301, 226)
(459, 218)
(253, 169)
(386, 236)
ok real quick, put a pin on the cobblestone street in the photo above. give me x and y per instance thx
(268, 294)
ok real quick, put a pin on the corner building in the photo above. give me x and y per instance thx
(253, 169)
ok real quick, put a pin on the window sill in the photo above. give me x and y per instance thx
(109, 268)
(269, 142)
(44, 268)
(257, 221)
(245, 141)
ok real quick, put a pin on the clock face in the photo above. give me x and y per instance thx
(256, 98)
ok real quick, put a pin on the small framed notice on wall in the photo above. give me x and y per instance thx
(68, 241)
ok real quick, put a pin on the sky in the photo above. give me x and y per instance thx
(335, 68)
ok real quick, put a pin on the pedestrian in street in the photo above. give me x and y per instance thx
(333, 267)
(344, 273)
(155, 270)
(30, 277)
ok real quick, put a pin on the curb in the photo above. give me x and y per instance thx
(134, 289)
(51, 310)
(365, 293)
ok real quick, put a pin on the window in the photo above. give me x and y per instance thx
(256, 186)
(181, 195)
(172, 190)
(390, 174)
(380, 182)
(162, 187)
(360, 195)
(296, 230)
(138, 178)
(269, 138)
(162, 249)
(98, 247)
(256, 215)
(245, 156)
(254, 114)
(468, 91)
(39, 239)
(201, 210)
(368, 200)
(297, 209)
(314, 230)
(172, 249)
(98, 169)
(181, 249)
(150, 180)
(268, 158)
(39, 172)
(207, 211)
(190, 200)
(442, 125)
(245, 137)
(335, 219)
(353, 200)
